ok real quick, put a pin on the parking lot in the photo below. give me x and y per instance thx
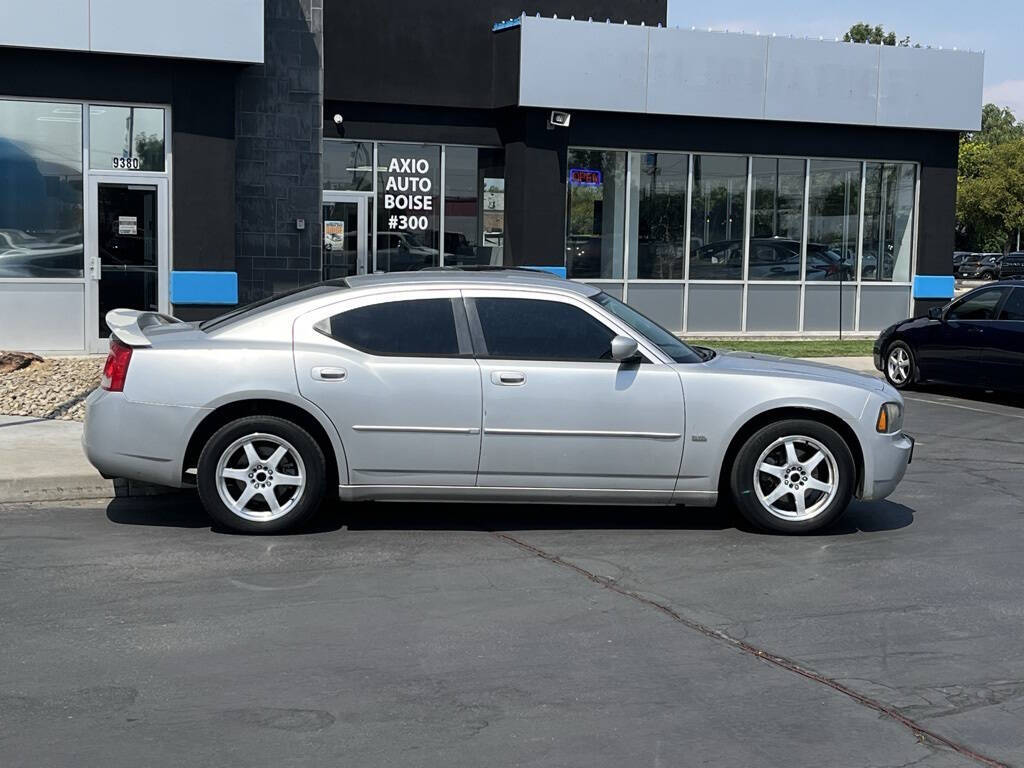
(133, 634)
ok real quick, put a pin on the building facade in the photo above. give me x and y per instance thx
(722, 183)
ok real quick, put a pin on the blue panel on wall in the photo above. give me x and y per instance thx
(204, 287)
(560, 271)
(933, 286)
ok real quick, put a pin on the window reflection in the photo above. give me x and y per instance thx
(888, 221)
(348, 165)
(717, 215)
(474, 206)
(126, 138)
(658, 214)
(594, 241)
(778, 218)
(833, 217)
(40, 189)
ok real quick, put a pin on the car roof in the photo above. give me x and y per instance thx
(505, 278)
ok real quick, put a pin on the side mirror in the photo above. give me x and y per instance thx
(625, 349)
(935, 313)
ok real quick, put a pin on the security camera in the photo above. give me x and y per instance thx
(559, 119)
(338, 119)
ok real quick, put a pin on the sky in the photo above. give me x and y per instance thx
(995, 27)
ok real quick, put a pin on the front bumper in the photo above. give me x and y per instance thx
(138, 441)
(889, 456)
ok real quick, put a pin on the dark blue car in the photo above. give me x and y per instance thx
(976, 340)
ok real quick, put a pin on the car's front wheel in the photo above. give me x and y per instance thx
(900, 368)
(261, 474)
(793, 476)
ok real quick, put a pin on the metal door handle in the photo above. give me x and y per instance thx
(974, 329)
(325, 373)
(508, 378)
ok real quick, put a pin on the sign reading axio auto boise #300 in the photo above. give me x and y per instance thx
(408, 190)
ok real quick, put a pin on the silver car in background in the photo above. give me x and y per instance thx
(504, 385)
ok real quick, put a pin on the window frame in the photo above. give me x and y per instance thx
(462, 333)
(649, 355)
(1015, 290)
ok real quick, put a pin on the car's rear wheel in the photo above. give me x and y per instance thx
(261, 474)
(793, 476)
(900, 366)
(987, 275)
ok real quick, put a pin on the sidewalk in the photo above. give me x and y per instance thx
(42, 459)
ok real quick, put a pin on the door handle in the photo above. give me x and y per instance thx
(508, 378)
(974, 329)
(326, 373)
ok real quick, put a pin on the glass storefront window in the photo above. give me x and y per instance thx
(126, 138)
(348, 165)
(777, 218)
(594, 242)
(40, 189)
(408, 206)
(717, 217)
(657, 215)
(474, 206)
(888, 222)
(832, 220)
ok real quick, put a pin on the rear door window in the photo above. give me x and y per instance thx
(412, 328)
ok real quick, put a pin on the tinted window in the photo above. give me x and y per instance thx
(532, 329)
(980, 306)
(415, 328)
(1013, 309)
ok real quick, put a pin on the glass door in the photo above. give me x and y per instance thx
(126, 248)
(346, 234)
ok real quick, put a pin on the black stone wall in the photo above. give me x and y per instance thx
(278, 132)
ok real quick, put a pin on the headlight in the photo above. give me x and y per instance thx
(890, 418)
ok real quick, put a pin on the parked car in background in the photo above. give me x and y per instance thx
(958, 258)
(975, 341)
(1012, 265)
(500, 385)
(980, 266)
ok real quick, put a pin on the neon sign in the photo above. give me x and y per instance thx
(584, 177)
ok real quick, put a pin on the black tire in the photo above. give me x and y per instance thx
(987, 275)
(900, 352)
(836, 465)
(296, 501)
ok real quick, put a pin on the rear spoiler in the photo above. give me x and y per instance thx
(129, 325)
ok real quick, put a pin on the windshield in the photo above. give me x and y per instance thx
(665, 340)
(272, 302)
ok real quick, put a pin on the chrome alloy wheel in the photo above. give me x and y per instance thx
(796, 478)
(260, 477)
(898, 365)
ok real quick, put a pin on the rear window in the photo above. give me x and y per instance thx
(273, 303)
(413, 328)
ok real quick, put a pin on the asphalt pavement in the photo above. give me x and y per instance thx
(469, 635)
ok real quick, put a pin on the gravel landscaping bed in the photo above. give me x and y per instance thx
(55, 388)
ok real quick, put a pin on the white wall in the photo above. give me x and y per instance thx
(567, 64)
(42, 317)
(220, 30)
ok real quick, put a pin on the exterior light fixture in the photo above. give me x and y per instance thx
(559, 119)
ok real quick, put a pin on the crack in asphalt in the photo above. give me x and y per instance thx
(782, 662)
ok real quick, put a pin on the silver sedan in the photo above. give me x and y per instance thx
(488, 386)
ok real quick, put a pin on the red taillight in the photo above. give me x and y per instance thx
(116, 367)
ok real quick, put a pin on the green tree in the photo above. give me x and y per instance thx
(990, 192)
(861, 32)
(998, 125)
